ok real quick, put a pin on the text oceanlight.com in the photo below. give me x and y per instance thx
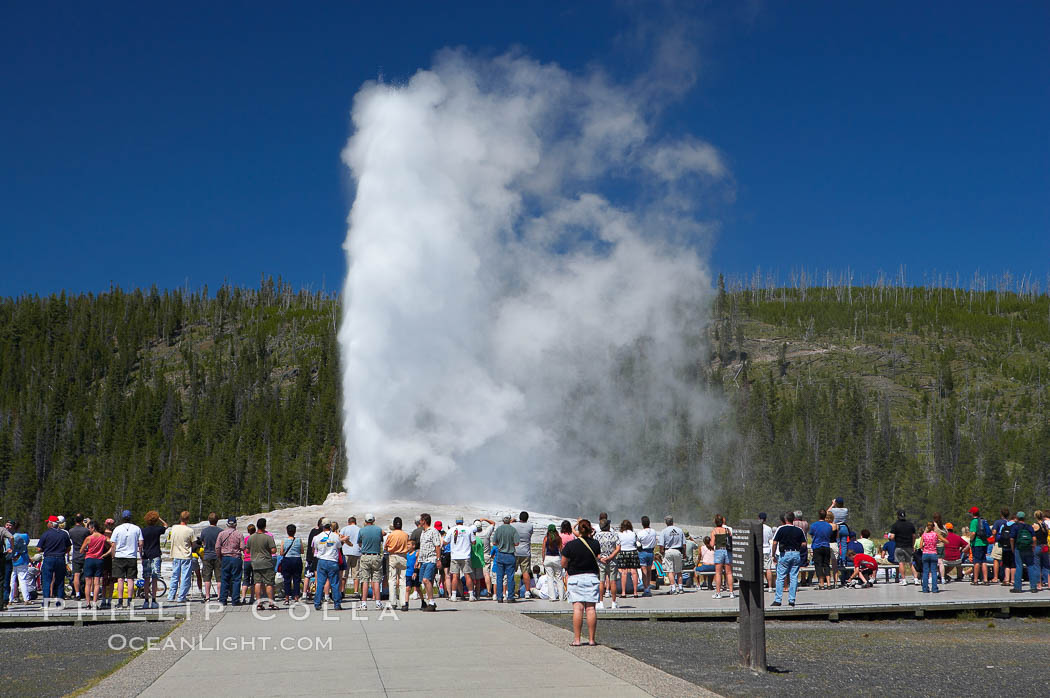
(201, 643)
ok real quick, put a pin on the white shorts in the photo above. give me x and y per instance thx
(583, 588)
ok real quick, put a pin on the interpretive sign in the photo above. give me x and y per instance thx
(745, 567)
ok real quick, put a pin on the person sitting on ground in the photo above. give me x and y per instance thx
(865, 567)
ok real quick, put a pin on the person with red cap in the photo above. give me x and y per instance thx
(54, 545)
(979, 532)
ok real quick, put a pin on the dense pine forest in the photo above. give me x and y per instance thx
(168, 400)
(922, 398)
(927, 398)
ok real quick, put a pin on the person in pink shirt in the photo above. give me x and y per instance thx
(930, 540)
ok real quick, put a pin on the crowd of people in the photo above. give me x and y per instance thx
(494, 560)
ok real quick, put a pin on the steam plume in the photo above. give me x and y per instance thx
(525, 298)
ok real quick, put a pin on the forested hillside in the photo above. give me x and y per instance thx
(926, 398)
(930, 399)
(168, 400)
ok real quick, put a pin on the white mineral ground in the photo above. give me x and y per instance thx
(339, 506)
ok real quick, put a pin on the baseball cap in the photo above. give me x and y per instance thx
(901, 514)
(762, 516)
(232, 521)
(370, 517)
(459, 519)
(437, 525)
(949, 526)
(61, 519)
(975, 511)
(506, 518)
(52, 519)
(1020, 514)
(126, 514)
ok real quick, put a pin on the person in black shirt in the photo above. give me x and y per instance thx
(902, 533)
(311, 559)
(579, 558)
(77, 535)
(786, 550)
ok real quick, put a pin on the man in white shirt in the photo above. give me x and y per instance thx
(351, 552)
(648, 539)
(459, 539)
(326, 551)
(182, 538)
(127, 544)
(767, 551)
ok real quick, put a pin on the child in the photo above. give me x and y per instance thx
(412, 574)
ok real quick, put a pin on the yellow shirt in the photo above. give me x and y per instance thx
(182, 538)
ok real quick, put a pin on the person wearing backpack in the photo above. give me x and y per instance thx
(980, 532)
(19, 563)
(1024, 555)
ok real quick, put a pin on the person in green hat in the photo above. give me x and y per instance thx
(1023, 535)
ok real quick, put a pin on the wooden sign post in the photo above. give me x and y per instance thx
(747, 567)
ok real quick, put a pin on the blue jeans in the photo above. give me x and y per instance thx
(929, 571)
(180, 579)
(5, 580)
(329, 570)
(1031, 561)
(788, 563)
(53, 568)
(1044, 566)
(292, 571)
(230, 586)
(506, 563)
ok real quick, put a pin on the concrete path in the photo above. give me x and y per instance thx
(374, 654)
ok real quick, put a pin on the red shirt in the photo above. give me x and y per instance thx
(865, 562)
(953, 547)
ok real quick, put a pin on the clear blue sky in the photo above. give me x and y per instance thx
(191, 142)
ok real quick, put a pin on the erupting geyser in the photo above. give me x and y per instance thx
(525, 296)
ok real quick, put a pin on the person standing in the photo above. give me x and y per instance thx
(351, 554)
(579, 558)
(326, 545)
(460, 540)
(552, 563)
(209, 562)
(1042, 548)
(786, 550)
(370, 539)
(94, 548)
(648, 539)
(53, 544)
(478, 569)
(77, 535)
(723, 538)
(505, 540)
(311, 561)
(182, 538)
(263, 548)
(151, 535)
(1023, 535)
(767, 551)
(292, 565)
(19, 562)
(7, 556)
(609, 545)
(672, 547)
(427, 560)
(127, 544)
(902, 533)
(627, 559)
(979, 534)
(523, 551)
(229, 545)
(821, 531)
(930, 540)
(396, 546)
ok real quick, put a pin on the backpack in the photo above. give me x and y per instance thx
(1024, 537)
(19, 548)
(984, 531)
